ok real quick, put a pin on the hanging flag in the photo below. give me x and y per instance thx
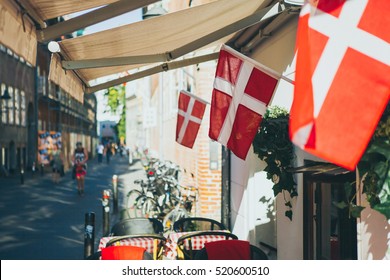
(241, 94)
(190, 114)
(342, 77)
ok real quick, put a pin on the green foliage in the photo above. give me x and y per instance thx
(272, 145)
(121, 126)
(116, 98)
(375, 167)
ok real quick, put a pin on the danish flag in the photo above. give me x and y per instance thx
(189, 118)
(241, 94)
(342, 83)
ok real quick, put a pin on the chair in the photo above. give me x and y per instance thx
(137, 226)
(227, 251)
(197, 224)
(189, 244)
(141, 240)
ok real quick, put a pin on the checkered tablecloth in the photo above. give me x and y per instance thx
(146, 243)
(197, 242)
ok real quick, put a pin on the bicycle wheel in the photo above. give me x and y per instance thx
(173, 216)
(133, 208)
(174, 196)
(150, 208)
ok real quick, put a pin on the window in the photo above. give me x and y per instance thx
(214, 148)
(22, 108)
(17, 107)
(3, 105)
(11, 105)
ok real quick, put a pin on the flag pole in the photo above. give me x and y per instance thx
(262, 67)
(194, 96)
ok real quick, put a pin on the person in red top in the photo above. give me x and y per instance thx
(79, 158)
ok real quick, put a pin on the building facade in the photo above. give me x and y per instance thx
(35, 112)
(17, 82)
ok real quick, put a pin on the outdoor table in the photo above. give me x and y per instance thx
(197, 242)
(147, 243)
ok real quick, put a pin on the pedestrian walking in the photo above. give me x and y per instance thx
(79, 158)
(56, 162)
(100, 151)
(107, 151)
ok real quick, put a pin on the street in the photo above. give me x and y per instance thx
(43, 221)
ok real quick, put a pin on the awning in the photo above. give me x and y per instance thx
(43, 9)
(17, 32)
(160, 39)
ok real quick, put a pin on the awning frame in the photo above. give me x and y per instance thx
(254, 18)
(154, 70)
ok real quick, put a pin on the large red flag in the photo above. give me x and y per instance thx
(241, 95)
(190, 114)
(342, 77)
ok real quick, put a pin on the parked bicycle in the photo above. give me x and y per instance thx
(183, 209)
(156, 195)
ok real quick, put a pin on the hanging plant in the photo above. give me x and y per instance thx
(272, 145)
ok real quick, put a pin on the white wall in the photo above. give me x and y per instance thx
(252, 201)
(373, 235)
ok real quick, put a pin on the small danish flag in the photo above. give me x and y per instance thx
(190, 114)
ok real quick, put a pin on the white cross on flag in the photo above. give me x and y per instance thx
(190, 114)
(342, 77)
(241, 95)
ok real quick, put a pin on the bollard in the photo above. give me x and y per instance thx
(89, 234)
(42, 167)
(106, 212)
(115, 192)
(33, 168)
(22, 176)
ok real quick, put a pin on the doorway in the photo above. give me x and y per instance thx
(329, 232)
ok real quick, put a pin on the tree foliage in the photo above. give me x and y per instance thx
(116, 100)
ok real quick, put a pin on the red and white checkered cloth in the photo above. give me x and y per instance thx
(146, 243)
(197, 242)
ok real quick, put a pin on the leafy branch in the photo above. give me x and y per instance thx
(375, 169)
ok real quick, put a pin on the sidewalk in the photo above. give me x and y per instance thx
(43, 221)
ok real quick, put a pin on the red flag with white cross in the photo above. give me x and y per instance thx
(190, 114)
(342, 83)
(241, 94)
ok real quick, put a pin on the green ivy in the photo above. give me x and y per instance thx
(374, 168)
(272, 145)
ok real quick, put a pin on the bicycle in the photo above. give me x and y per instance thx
(183, 208)
(135, 200)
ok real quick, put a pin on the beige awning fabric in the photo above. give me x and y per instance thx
(157, 39)
(17, 32)
(66, 80)
(47, 9)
